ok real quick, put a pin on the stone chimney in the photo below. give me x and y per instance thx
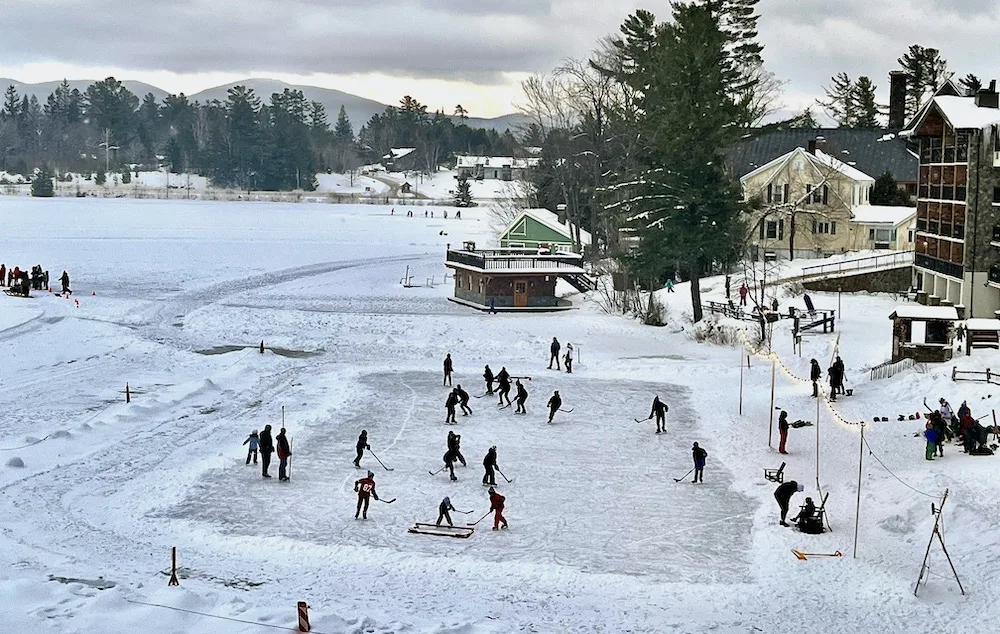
(897, 99)
(987, 97)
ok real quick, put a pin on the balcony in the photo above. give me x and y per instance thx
(516, 261)
(939, 266)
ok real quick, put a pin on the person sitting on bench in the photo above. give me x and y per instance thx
(808, 520)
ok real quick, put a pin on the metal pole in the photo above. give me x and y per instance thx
(741, 382)
(819, 396)
(857, 510)
(770, 428)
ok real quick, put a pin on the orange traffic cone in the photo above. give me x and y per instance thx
(50, 289)
(77, 302)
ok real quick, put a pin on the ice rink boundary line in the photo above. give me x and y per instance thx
(217, 616)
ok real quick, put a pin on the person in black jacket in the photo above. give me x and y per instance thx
(449, 461)
(64, 279)
(659, 410)
(361, 446)
(463, 400)
(815, 374)
(503, 379)
(522, 396)
(488, 377)
(554, 350)
(266, 449)
(555, 402)
(699, 455)
(489, 465)
(448, 368)
(443, 509)
(449, 406)
(455, 445)
(284, 453)
(783, 494)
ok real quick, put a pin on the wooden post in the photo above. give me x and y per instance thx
(173, 568)
(770, 428)
(857, 510)
(128, 394)
(262, 346)
(303, 610)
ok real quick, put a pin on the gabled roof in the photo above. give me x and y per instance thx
(820, 159)
(550, 220)
(397, 153)
(871, 150)
(925, 313)
(878, 214)
(961, 113)
(496, 161)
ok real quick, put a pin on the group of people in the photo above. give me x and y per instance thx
(21, 282)
(263, 444)
(835, 375)
(943, 425)
(567, 358)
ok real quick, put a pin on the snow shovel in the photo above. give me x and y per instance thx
(801, 556)
(684, 476)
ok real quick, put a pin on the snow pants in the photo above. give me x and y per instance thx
(498, 518)
(489, 477)
(929, 453)
(282, 467)
(520, 406)
(783, 434)
(265, 461)
(569, 365)
(447, 378)
(252, 453)
(357, 460)
(554, 357)
(446, 516)
(661, 423)
(362, 500)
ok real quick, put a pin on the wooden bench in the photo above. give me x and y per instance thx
(775, 475)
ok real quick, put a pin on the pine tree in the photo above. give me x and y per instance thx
(101, 178)
(126, 175)
(839, 103)
(317, 116)
(463, 192)
(805, 119)
(342, 131)
(887, 192)
(866, 110)
(924, 69)
(970, 84)
(41, 184)
(11, 104)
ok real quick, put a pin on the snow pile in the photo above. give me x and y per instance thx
(15, 462)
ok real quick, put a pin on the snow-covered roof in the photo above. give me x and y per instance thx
(925, 313)
(982, 324)
(819, 159)
(550, 220)
(399, 152)
(882, 214)
(496, 161)
(961, 112)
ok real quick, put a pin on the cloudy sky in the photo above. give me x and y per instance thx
(443, 52)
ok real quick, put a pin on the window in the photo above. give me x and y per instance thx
(909, 238)
(882, 237)
(814, 195)
(824, 227)
(779, 193)
(771, 231)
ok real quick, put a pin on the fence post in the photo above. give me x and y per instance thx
(954, 369)
(173, 568)
(128, 394)
(303, 610)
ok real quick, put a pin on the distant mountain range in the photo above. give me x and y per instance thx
(359, 109)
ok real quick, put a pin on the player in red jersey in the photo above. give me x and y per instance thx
(496, 504)
(365, 488)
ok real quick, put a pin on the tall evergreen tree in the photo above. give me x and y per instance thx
(41, 183)
(112, 106)
(839, 102)
(970, 84)
(925, 70)
(463, 192)
(342, 131)
(866, 110)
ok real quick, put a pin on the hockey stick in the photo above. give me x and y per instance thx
(925, 405)
(684, 476)
(568, 411)
(643, 420)
(387, 501)
(504, 477)
(481, 395)
(521, 377)
(379, 461)
(481, 518)
(463, 512)
(503, 406)
(434, 473)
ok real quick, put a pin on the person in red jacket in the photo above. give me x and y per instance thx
(284, 452)
(496, 504)
(365, 488)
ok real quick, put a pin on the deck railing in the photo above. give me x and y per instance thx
(504, 260)
(892, 260)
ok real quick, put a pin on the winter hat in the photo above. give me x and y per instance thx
(492, 490)
(371, 475)
(694, 445)
(799, 488)
(447, 500)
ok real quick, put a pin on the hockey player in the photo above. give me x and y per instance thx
(503, 379)
(699, 455)
(449, 462)
(365, 488)
(554, 353)
(488, 377)
(266, 449)
(522, 396)
(443, 509)
(449, 406)
(783, 494)
(448, 369)
(555, 402)
(489, 465)
(362, 445)
(659, 410)
(463, 400)
(455, 445)
(496, 504)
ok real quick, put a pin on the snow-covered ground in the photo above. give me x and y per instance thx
(601, 539)
(441, 186)
(342, 184)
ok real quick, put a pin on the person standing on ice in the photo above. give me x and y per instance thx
(3, 275)
(463, 400)
(365, 488)
(443, 509)
(496, 505)
(488, 377)
(449, 458)
(284, 453)
(743, 293)
(361, 446)
(841, 372)
(568, 358)
(520, 398)
(253, 441)
(783, 494)
(448, 369)
(930, 434)
(659, 410)
(555, 402)
(266, 449)
(815, 374)
(699, 456)
(554, 353)
(503, 380)
(489, 465)
(449, 406)
(782, 431)
(64, 280)
(455, 445)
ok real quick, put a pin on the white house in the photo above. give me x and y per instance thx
(503, 168)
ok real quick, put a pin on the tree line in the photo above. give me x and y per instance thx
(241, 142)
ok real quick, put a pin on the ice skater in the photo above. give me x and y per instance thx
(555, 402)
(365, 488)
(568, 358)
(449, 406)
(783, 494)
(361, 446)
(503, 380)
(448, 369)
(253, 441)
(554, 353)
(488, 377)
(266, 445)
(659, 410)
(443, 509)
(489, 466)
(463, 400)
(449, 462)
(522, 396)
(455, 445)
(699, 455)
(496, 505)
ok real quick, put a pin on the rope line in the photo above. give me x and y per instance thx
(217, 616)
(879, 460)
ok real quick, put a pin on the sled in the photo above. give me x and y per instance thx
(801, 556)
(460, 532)
(16, 294)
